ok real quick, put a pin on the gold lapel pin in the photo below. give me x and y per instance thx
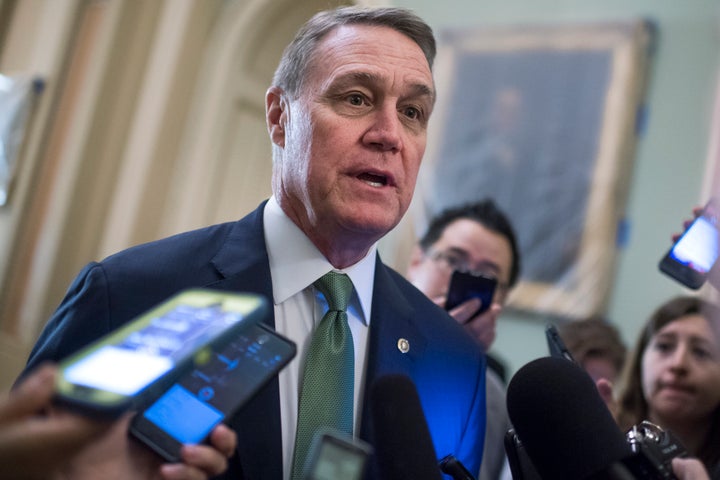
(403, 345)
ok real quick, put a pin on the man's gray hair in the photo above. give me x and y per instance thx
(297, 57)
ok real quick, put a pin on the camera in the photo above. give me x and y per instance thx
(654, 449)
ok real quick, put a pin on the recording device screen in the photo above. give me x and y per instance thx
(192, 407)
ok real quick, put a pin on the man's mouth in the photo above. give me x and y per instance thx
(373, 179)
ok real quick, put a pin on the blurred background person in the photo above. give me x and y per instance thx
(672, 377)
(596, 345)
(478, 238)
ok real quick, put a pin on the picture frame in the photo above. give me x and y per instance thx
(544, 120)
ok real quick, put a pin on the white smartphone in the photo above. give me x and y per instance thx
(141, 359)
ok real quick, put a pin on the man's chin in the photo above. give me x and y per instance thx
(373, 221)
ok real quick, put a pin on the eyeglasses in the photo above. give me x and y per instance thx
(456, 261)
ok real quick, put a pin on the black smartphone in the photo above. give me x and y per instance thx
(334, 455)
(203, 398)
(556, 346)
(464, 286)
(693, 255)
(141, 359)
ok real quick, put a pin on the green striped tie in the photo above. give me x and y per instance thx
(326, 398)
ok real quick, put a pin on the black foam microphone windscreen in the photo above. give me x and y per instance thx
(563, 423)
(402, 442)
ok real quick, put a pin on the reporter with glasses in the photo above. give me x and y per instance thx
(474, 238)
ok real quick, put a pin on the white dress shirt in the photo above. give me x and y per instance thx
(295, 264)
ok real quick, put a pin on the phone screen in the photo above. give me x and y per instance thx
(696, 251)
(464, 286)
(108, 375)
(144, 355)
(697, 248)
(191, 408)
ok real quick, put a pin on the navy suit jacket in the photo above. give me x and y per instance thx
(445, 363)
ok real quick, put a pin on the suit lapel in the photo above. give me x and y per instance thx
(396, 344)
(243, 263)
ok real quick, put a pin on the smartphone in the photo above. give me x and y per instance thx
(204, 397)
(464, 286)
(334, 455)
(125, 368)
(693, 255)
(556, 346)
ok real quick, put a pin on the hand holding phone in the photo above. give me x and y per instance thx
(695, 252)
(464, 286)
(142, 358)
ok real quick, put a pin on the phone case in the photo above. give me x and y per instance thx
(692, 256)
(464, 286)
(141, 359)
(204, 397)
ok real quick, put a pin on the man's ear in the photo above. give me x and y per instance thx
(276, 114)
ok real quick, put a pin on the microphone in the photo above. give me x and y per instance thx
(563, 423)
(402, 441)
(454, 467)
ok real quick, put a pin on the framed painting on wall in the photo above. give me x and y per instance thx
(543, 120)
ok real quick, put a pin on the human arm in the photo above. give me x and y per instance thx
(116, 456)
(32, 444)
(38, 441)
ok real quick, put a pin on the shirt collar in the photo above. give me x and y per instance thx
(295, 262)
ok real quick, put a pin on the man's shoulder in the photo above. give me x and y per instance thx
(177, 244)
(195, 244)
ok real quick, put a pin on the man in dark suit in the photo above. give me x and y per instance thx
(347, 115)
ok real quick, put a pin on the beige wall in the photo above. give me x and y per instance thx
(152, 123)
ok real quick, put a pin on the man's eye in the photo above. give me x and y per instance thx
(412, 112)
(355, 99)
